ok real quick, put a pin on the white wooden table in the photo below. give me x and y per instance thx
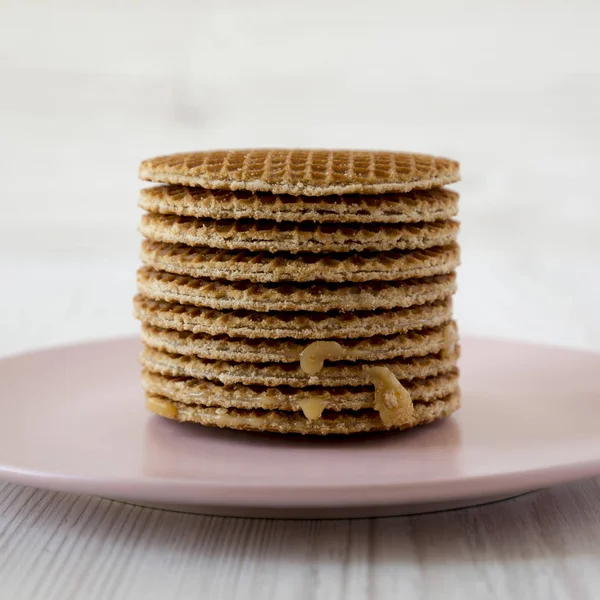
(543, 545)
(87, 90)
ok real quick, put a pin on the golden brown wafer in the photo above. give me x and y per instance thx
(330, 423)
(224, 347)
(189, 390)
(307, 172)
(237, 265)
(297, 237)
(298, 325)
(273, 374)
(413, 207)
(310, 296)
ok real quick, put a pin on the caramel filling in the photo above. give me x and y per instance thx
(312, 408)
(161, 407)
(450, 340)
(392, 399)
(315, 354)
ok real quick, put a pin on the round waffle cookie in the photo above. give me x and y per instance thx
(188, 390)
(223, 347)
(413, 343)
(310, 296)
(306, 172)
(237, 265)
(297, 325)
(330, 422)
(275, 374)
(413, 207)
(297, 237)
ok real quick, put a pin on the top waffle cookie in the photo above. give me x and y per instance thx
(303, 172)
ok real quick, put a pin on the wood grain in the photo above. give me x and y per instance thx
(542, 545)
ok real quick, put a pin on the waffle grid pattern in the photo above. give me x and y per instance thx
(276, 374)
(413, 207)
(247, 234)
(309, 172)
(251, 256)
(275, 421)
(301, 267)
(306, 296)
(290, 324)
(212, 393)
(223, 347)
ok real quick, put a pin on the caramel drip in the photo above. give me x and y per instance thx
(315, 354)
(450, 340)
(392, 399)
(161, 407)
(312, 408)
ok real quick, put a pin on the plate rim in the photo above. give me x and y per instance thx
(262, 494)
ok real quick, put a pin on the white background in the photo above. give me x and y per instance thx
(511, 89)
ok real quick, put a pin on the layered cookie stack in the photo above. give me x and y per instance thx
(299, 291)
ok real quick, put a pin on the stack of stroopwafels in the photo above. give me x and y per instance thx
(299, 291)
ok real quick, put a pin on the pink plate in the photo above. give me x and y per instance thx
(73, 419)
